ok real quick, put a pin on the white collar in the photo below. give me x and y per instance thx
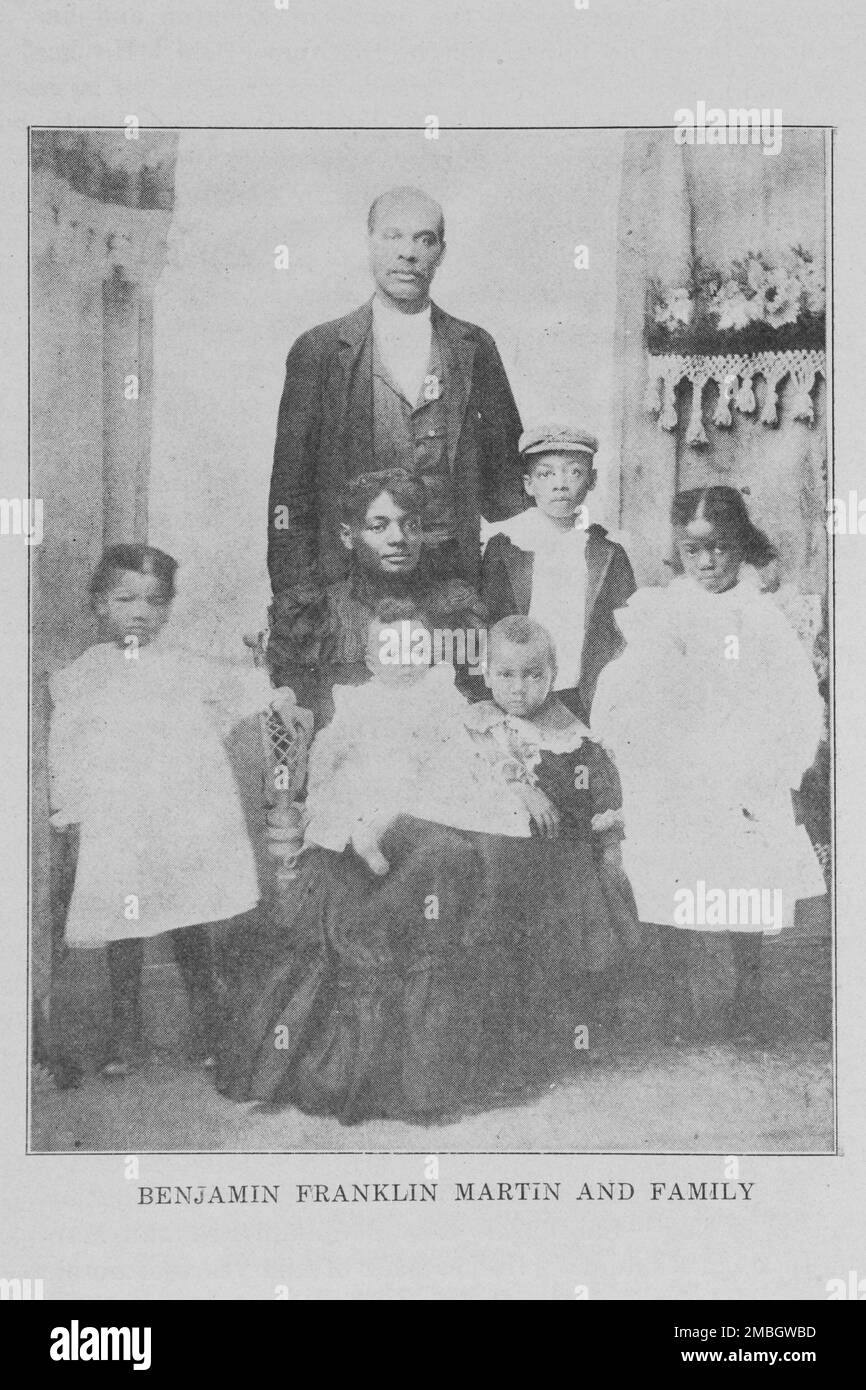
(556, 729)
(532, 530)
(392, 321)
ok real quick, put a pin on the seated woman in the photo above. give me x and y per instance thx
(375, 994)
(318, 633)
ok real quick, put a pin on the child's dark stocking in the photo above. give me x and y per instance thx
(677, 1021)
(124, 971)
(193, 951)
(751, 1014)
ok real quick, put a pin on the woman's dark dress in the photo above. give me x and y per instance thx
(355, 1000)
(318, 633)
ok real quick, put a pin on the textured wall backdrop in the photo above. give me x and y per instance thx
(516, 203)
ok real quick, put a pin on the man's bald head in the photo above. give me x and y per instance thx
(401, 196)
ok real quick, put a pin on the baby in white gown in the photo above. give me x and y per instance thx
(399, 745)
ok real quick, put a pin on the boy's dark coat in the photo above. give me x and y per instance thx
(506, 586)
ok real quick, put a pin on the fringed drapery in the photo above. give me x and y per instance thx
(733, 374)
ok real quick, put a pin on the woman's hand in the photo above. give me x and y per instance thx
(542, 812)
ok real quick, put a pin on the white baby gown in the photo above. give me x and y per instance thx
(713, 715)
(137, 760)
(404, 750)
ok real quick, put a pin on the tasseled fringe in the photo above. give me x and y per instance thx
(722, 413)
(652, 400)
(696, 434)
(668, 417)
(665, 373)
(803, 408)
(804, 380)
(769, 413)
(745, 401)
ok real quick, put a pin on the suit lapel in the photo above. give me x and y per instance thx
(356, 390)
(518, 567)
(599, 553)
(457, 348)
(354, 329)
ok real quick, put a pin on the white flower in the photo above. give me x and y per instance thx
(780, 296)
(678, 308)
(755, 272)
(814, 291)
(731, 307)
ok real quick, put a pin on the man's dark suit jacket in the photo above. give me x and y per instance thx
(506, 587)
(325, 436)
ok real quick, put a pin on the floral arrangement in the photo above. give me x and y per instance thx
(756, 305)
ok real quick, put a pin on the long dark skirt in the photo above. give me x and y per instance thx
(368, 996)
(418, 994)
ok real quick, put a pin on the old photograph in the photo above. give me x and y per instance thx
(431, 639)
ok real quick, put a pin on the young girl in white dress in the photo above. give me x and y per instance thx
(138, 764)
(713, 715)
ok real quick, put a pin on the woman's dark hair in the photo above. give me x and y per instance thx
(408, 493)
(139, 559)
(399, 610)
(725, 509)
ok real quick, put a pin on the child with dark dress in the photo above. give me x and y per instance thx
(573, 919)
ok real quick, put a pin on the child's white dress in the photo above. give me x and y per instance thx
(404, 750)
(137, 760)
(713, 715)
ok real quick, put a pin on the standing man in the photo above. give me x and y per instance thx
(397, 383)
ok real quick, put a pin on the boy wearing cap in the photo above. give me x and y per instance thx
(547, 563)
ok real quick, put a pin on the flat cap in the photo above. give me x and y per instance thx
(557, 439)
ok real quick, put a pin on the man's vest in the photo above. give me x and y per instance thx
(415, 438)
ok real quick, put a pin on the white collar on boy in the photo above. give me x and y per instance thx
(532, 530)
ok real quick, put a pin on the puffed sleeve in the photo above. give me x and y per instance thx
(637, 690)
(232, 690)
(787, 724)
(605, 793)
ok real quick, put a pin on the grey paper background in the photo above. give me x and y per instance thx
(72, 1220)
